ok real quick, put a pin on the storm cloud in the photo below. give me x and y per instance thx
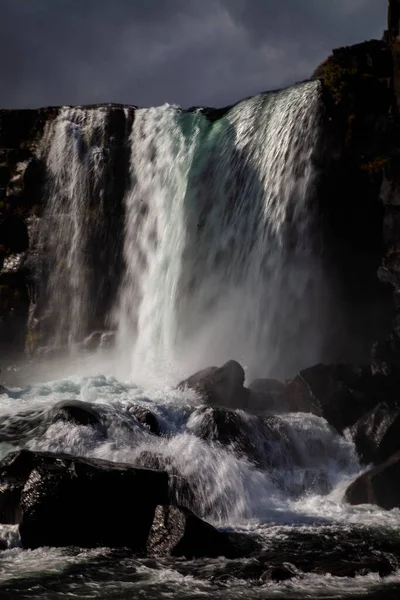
(189, 52)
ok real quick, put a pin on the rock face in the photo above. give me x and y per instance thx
(377, 434)
(360, 143)
(61, 500)
(341, 394)
(220, 386)
(380, 485)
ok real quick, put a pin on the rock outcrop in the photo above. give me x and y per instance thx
(380, 485)
(376, 434)
(263, 441)
(220, 386)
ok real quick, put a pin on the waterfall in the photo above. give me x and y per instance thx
(79, 249)
(220, 247)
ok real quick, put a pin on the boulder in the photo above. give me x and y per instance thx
(146, 418)
(265, 441)
(339, 393)
(376, 434)
(65, 500)
(220, 386)
(380, 485)
(177, 531)
(78, 413)
(267, 395)
(61, 500)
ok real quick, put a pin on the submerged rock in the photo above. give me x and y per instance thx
(220, 386)
(146, 418)
(262, 440)
(78, 413)
(177, 531)
(280, 572)
(380, 485)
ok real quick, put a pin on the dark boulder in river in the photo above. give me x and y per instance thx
(146, 418)
(76, 412)
(380, 485)
(264, 441)
(220, 386)
(84, 502)
(177, 531)
(62, 500)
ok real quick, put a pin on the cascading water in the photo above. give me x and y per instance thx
(75, 161)
(79, 254)
(219, 240)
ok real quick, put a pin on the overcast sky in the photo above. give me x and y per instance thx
(188, 52)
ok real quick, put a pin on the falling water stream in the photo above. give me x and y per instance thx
(219, 238)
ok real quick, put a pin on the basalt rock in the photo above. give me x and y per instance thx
(377, 434)
(262, 440)
(76, 412)
(339, 393)
(62, 500)
(380, 485)
(178, 532)
(146, 418)
(220, 386)
(268, 395)
(65, 500)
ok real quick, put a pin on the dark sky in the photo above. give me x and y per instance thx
(189, 52)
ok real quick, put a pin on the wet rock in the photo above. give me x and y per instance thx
(339, 393)
(76, 412)
(380, 485)
(146, 418)
(281, 572)
(13, 234)
(67, 500)
(184, 491)
(267, 395)
(61, 500)
(15, 469)
(377, 434)
(178, 532)
(262, 440)
(220, 386)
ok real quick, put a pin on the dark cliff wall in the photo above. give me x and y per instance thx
(21, 195)
(359, 143)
